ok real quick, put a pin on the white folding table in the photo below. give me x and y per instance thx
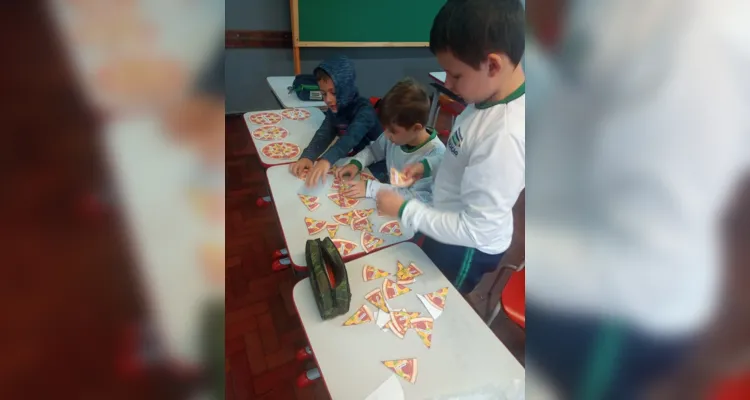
(300, 133)
(465, 354)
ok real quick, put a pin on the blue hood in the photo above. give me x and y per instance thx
(341, 71)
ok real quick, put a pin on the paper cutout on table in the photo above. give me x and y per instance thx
(361, 224)
(280, 150)
(398, 179)
(390, 389)
(370, 273)
(361, 316)
(366, 176)
(391, 228)
(270, 132)
(399, 323)
(332, 229)
(345, 247)
(296, 114)
(363, 213)
(434, 302)
(407, 275)
(341, 201)
(406, 368)
(314, 226)
(392, 289)
(336, 186)
(264, 118)
(375, 297)
(311, 202)
(370, 242)
(345, 218)
(423, 327)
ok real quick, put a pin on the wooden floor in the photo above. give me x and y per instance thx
(262, 329)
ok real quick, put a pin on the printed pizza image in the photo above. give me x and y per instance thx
(296, 114)
(370, 273)
(264, 118)
(345, 218)
(398, 179)
(406, 275)
(406, 368)
(270, 132)
(341, 201)
(391, 228)
(344, 247)
(332, 229)
(363, 315)
(366, 176)
(361, 224)
(392, 289)
(311, 202)
(314, 226)
(399, 323)
(370, 242)
(336, 184)
(363, 213)
(423, 327)
(280, 150)
(437, 298)
(376, 299)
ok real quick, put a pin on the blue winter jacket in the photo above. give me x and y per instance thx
(356, 123)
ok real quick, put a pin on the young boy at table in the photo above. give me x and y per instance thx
(350, 118)
(403, 113)
(479, 43)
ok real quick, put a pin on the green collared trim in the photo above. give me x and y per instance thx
(465, 267)
(401, 209)
(427, 169)
(357, 163)
(516, 94)
(411, 149)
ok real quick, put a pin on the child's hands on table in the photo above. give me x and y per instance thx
(299, 167)
(354, 189)
(347, 172)
(317, 173)
(389, 202)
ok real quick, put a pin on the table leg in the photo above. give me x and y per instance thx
(308, 377)
(281, 264)
(304, 353)
(280, 253)
(263, 201)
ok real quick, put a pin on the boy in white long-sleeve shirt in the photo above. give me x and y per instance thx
(480, 44)
(403, 113)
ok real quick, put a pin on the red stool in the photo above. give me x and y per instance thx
(513, 298)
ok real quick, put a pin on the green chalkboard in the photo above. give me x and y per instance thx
(377, 22)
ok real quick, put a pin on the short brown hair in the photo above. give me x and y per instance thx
(405, 105)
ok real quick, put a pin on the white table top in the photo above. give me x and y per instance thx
(438, 76)
(465, 354)
(280, 87)
(285, 188)
(300, 133)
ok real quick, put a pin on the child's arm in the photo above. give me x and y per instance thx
(371, 154)
(490, 187)
(320, 141)
(358, 128)
(421, 190)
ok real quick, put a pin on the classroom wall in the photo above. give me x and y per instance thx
(246, 69)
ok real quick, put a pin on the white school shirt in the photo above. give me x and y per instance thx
(633, 160)
(479, 180)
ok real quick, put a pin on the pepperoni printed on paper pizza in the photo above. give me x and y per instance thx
(344, 247)
(375, 297)
(361, 224)
(264, 118)
(314, 226)
(391, 228)
(370, 273)
(423, 327)
(280, 150)
(341, 201)
(362, 316)
(270, 132)
(406, 369)
(392, 289)
(311, 202)
(437, 298)
(370, 242)
(345, 218)
(296, 114)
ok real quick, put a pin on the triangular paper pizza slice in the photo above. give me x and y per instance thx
(375, 297)
(392, 289)
(370, 242)
(363, 315)
(361, 224)
(348, 203)
(398, 179)
(423, 327)
(345, 218)
(332, 229)
(345, 247)
(370, 273)
(437, 298)
(391, 228)
(314, 226)
(406, 368)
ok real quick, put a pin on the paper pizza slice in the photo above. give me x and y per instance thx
(332, 229)
(406, 275)
(314, 226)
(392, 289)
(361, 224)
(337, 199)
(363, 315)
(345, 218)
(375, 297)
(311, 202)
(437, 298)
(398, 179)
(363, 213)
(370, 242)
(336, 184)
(345, 247)
(366, 176)
(399, 323)
(406, 368)
(370, 273)
(391, 228)
(348, 202)
(423, 327)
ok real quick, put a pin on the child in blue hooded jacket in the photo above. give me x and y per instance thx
(350, 117)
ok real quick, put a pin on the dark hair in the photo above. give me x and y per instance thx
(473, 29)
(406, 104)
(321, 74)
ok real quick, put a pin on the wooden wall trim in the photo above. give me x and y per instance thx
(243, 39)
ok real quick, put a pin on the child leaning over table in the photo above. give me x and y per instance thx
(403, 113)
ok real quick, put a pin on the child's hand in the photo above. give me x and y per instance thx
(389, 202)
(298, 168)
(347, 172)
(354, 189)
(414, 172)
(317, 173)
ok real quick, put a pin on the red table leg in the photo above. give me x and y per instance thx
(280, 253)
(308, 377)
(304, 353)
(263, 201)
(281, 264)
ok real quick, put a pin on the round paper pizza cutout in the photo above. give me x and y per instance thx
(265, 118)
(270, 132)
(280, 150)
(296, 114)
